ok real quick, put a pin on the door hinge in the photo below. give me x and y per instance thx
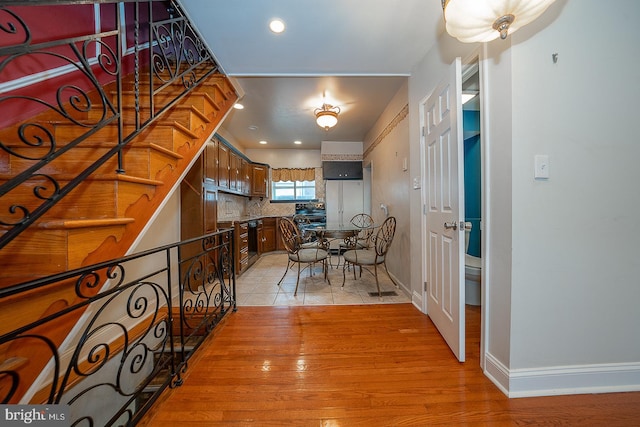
(426, 284)
(424, 132)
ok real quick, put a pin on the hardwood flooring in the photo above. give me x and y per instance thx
(358, 365)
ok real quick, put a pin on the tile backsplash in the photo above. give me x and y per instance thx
(232, 207)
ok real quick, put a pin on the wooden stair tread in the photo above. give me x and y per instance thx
(101, 177)
(67, 224)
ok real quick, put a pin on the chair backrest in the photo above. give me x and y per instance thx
(384, 236)
(290, 233)
(365, 222)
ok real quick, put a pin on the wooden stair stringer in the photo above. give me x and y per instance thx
(99, 239)
(144, 208)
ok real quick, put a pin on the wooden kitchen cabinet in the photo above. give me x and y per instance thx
(279, 244)
(245, 177)
(211, 164)
(242, 253)
(209, 208)
(223, 165)
(268, 238)
(241, 243)
(234, 171)
(198, 205)
(259, 179)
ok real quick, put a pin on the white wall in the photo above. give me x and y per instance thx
(575, 290)
(562, 311)
(390, 184)
(286, 158)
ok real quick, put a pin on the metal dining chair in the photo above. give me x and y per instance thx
(363, 239)
(366, 257)
(298, 254)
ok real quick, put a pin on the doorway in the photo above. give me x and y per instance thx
(452, 163)
(473, 196)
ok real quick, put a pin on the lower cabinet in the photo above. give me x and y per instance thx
(242, 254)
(268, 238)
(252, 239)
(279, 244)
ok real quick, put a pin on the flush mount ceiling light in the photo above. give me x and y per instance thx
(484, 20)
(276, 25)
(327, 116)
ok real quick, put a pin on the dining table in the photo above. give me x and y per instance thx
(335, 233)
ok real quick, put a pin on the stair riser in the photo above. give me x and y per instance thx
(189, 119)
(143, 162)
(166, 136)
(52, 251)
(91, 199)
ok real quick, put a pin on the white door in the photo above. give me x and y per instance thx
(444, 209)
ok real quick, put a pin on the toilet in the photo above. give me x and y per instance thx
(472, 272)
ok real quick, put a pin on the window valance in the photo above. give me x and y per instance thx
(297, 174)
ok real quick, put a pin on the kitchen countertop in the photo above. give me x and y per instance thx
(246, 218)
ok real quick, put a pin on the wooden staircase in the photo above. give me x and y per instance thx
(101, 218)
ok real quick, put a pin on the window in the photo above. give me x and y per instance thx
(293, 190)
(293, 184)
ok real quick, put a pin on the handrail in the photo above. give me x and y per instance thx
(166, 48)
(141, 318)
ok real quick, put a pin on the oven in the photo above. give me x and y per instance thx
(314, 212)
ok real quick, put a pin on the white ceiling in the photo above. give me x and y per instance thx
(356, 52)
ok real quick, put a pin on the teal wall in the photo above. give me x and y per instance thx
(472, 187)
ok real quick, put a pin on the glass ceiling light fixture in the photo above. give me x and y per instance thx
(473, 21)
(327, 116)
(276, 25)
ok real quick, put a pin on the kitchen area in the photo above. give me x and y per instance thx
(220, 193)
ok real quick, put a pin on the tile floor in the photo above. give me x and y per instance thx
(259, 285)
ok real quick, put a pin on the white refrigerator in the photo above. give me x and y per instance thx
(344, 199)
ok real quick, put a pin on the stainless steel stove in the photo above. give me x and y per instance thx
(314, 212)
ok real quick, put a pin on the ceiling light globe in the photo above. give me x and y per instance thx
(472, 21)
(276, 26)
(326, 119)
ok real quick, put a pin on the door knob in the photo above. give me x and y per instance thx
(451, 225)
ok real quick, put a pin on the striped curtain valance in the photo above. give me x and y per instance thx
(298, 174)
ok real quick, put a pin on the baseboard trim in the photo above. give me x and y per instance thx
(579, 379)
(497, 372)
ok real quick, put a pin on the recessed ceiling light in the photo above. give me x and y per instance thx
(238, 106)
(253, 127)
(276, 25)
(263, 142)
(297, 142)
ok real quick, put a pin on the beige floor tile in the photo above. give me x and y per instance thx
(259, 299)
(259, 285)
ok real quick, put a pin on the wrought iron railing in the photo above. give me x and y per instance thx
(151, 53)
(138, 321)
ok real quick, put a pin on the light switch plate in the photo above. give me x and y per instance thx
(416, 183)
(541, 166)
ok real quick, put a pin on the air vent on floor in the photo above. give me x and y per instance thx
(384, 294)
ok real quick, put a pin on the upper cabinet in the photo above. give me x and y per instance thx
(230, 171)
(259, 180)
(211, 162)
(224, 169)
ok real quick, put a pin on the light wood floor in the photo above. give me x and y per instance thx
(358, 365)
